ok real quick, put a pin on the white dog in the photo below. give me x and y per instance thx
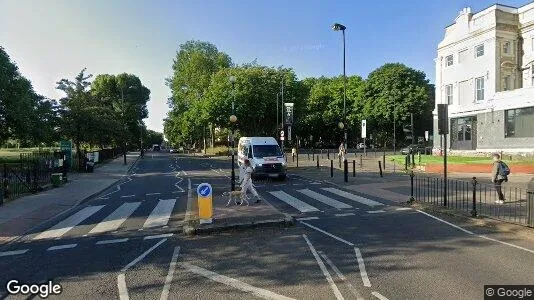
(234, 195)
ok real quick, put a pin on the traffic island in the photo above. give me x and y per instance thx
(231, 217)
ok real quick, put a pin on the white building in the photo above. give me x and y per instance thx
(485, 72)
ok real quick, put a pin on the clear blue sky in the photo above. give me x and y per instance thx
(50, 40)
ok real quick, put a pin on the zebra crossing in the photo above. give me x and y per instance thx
(103, 221)
(321, 199)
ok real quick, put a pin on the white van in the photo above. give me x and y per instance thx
(264, 155)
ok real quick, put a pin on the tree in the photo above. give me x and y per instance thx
(397, 89)
(193, 67)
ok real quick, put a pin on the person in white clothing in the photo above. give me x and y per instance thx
(247, 184)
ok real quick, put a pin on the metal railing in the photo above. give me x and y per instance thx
(477, 199)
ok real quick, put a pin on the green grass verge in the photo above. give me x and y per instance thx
(221, 150)
(433, 159)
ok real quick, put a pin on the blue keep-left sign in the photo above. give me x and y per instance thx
(204, 189)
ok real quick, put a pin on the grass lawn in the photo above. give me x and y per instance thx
(217, 150)
(13, 154)
(433, 159)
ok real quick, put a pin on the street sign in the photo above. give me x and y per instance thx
(426, 135)
(288, 117)
(419, 139)
(282, 138)
(289, 133)
(205, 203)
(66, 146)
(364, 129)
(282, 133)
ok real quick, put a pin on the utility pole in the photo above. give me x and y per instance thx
(282, 114)
(123, 126)
(277, 94)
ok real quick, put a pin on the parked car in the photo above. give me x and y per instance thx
(360, 146)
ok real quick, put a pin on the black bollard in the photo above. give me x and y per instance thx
(332, 168)
(361, 161)
(346, 170)
(328, 153)
(313, 154)
(317, 162)
(308, 155)
(474, 210)
(297, 159)
(380, 168)
(384, 161)
(353, 168)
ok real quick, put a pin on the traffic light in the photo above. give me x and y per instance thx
(443, 119)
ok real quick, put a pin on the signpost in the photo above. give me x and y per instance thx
(66, 146)
(281, 135)
(364, 136)
(205, 203)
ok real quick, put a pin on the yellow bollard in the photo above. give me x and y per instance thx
(205, 203)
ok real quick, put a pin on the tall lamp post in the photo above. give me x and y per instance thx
(233, 119)
(123, 126)
(337, 27)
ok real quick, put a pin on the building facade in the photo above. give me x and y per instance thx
(485, 73)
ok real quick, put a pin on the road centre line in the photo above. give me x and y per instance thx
(151, 237)
(361, 266)
(60, 247)
(114, 241)
(333, 285)
(140, 257)
(13, 252)
(168, 279)
(403, 208)
(375, 211)
(258, 292)
(329, 234)
(307, 218)
(123, 290)
(379, 296)
(344, 215)
(341, 276)
(150, 194)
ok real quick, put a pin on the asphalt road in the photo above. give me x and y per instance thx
(127, 244)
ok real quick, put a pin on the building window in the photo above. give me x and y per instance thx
(463, 56)
(518, 122)
(449, 61)
(448, 93)
(479, 88)
(463, 128)
(479, 50)
(507, 83)
(506, 48)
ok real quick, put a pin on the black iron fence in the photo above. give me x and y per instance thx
(31, 173)
(477, 199)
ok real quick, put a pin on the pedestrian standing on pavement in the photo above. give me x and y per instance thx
(342, 151)
(247, 182)
(499, 174)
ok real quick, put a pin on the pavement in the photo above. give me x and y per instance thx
(21, 215)
(128, 242)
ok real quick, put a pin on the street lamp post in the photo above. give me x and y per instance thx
(123, 126)
(338, 27)
(233, 119)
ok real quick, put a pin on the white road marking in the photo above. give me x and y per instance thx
(333, 285)
(184, 172)
(341, 276)
(150, 194)
(160, 214)
(443, 221)
(296, 203)
(103, 198)
(115, 241)
(379, 296)
(140, 257)
(168, 279)
(307, 218)
(177, 185)
(353, 197)
(60, 247)
(344, 215)
(116, 218)
(13, 252)
(159, 236)
(375, 211)
(404, 208)
(361, 266)
(123, 290)
(505, 243)
(329, 234)
(64, 226)
(324, 199)
(331, 264)
(258, 292)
